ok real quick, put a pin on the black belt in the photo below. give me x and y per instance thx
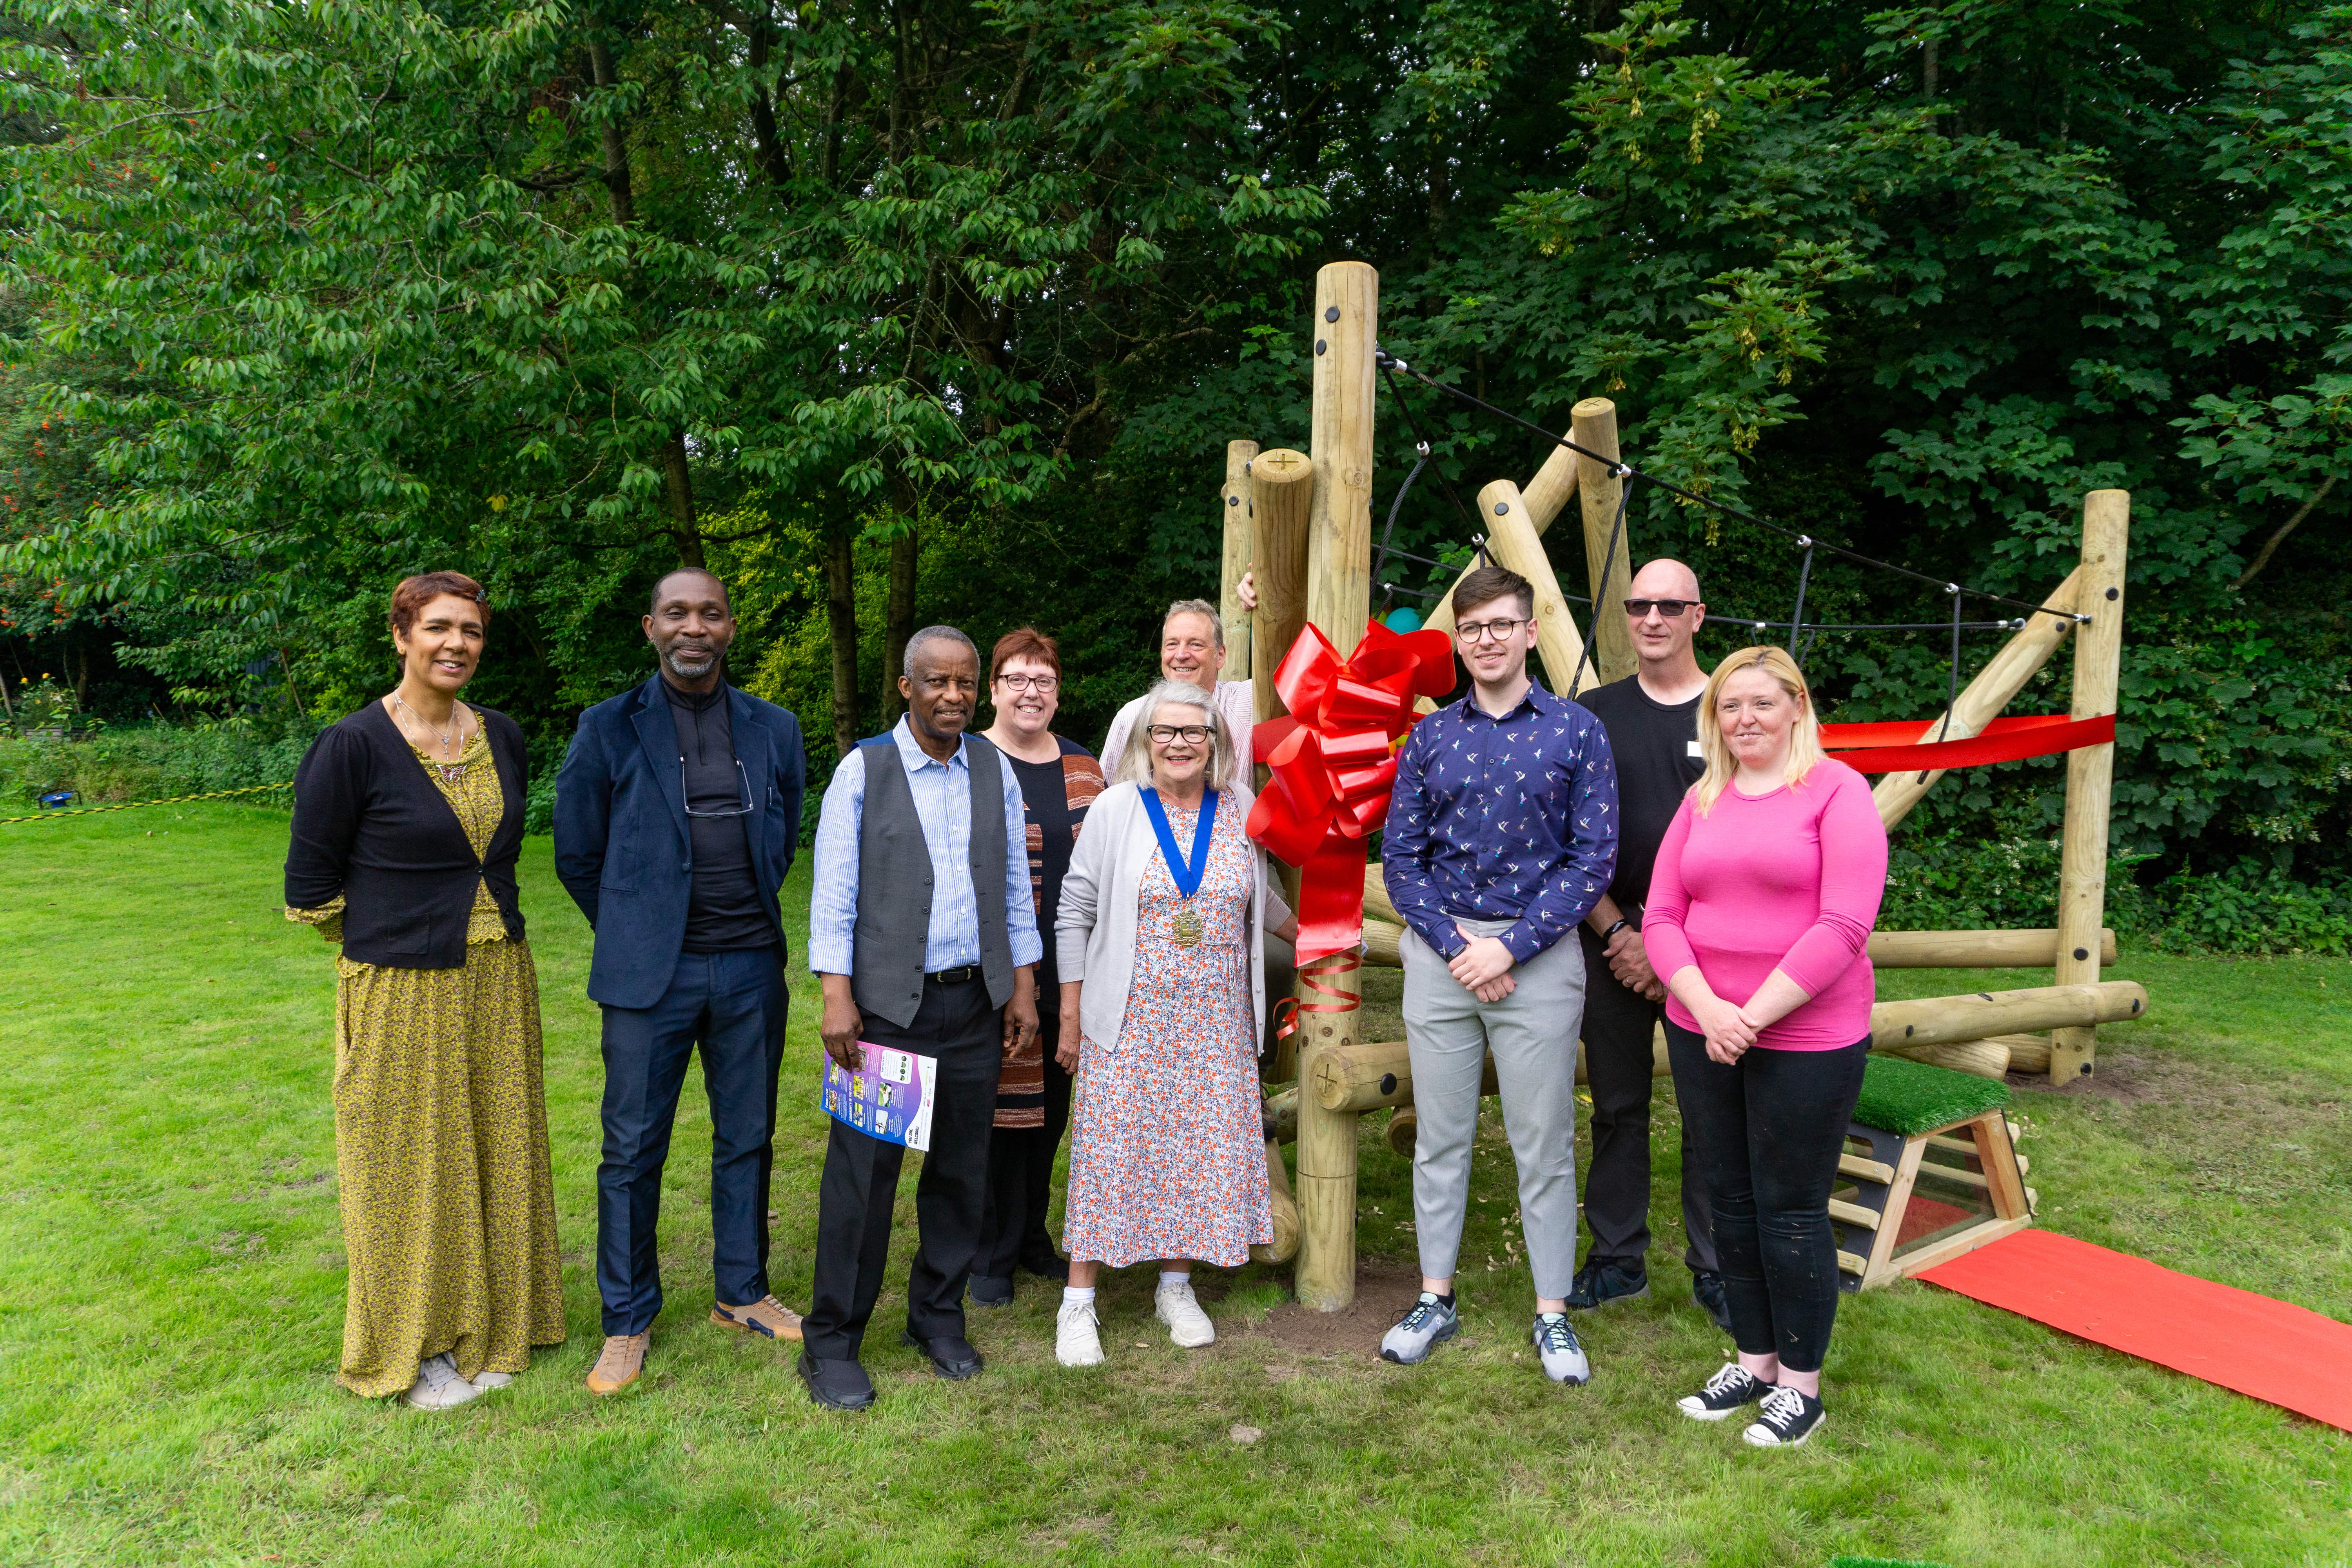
(955, 976)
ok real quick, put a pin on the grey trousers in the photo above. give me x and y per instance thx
(1532, 1034)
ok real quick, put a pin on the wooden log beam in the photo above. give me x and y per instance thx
(1284, 1244)
(1282, 1114)
(1545, 495)
(1376, 895)
(1384, 944)
(1985, 1058)
(1345, 331)
(1512, 538)
(2029, 948)
(1593, 425)
(1234, 511)
(1981, 700)
(1281, 483)
(1943, 1020)
(2090, 771)
(2026, 1053)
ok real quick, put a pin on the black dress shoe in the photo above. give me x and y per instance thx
(837, 1384)
(1605, 1279)
(1047, 1265)
(1707, 1290)
(987, 1292)
(951, 1358)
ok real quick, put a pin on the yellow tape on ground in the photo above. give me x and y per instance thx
(135, 805)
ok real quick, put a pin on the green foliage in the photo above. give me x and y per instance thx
(2253, 908)
(148, 762)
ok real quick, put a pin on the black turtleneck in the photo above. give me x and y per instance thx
(724, 912)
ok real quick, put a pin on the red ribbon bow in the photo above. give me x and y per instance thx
(1333, 763)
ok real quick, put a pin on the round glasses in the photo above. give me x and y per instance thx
(1480, 631)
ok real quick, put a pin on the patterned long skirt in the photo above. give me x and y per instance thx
(1167, 1155)
(441, 1149)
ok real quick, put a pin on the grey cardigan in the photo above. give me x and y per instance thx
(1094, 931)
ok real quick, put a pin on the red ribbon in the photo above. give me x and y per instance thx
(1333, 763)
(1888, 748)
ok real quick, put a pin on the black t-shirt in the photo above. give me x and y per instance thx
(724, 912)
(1656, 748)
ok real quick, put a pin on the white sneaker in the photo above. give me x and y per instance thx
(438, 1386)
(486, 1381)
(1076, 1340)
(1188, 1327)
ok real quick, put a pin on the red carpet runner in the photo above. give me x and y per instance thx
(2286, 1355)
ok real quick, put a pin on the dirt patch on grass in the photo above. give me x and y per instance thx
(2126, 1080)
(1382, 1293)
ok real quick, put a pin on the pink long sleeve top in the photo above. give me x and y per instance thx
(1789, 881)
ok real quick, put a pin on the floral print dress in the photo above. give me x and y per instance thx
(1168, 1160)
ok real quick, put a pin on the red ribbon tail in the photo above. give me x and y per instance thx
(1331, 898)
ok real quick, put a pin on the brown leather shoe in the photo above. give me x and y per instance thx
(767, 1317)
(622, 1360)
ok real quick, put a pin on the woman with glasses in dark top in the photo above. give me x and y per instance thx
(408, 817)
(1059, 780)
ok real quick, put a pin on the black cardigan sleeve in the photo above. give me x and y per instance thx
(329, 794)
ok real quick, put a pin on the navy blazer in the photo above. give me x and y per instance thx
(622, 844)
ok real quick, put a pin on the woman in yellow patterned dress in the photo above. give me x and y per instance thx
(407, 819)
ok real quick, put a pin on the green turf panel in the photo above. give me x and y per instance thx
(1906, 1097)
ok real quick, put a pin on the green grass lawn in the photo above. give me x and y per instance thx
(172, 1288)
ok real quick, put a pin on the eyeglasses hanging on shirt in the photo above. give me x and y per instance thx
(746, 809)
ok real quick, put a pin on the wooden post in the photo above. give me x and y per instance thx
(1593, 425)
(1981, 700)
(1281, 483)
(1552, 489)
(2090, 771)
(1234, 508)
(1339, 601)
(1513, 540)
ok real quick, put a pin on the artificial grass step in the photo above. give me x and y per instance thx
(1907, 1097)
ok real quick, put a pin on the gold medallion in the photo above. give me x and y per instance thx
(1185, 929)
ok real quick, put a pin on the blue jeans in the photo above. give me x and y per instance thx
(732, 1004)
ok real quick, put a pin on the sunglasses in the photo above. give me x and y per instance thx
(1669, 608)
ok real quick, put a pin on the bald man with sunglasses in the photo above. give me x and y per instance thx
(1652, 718)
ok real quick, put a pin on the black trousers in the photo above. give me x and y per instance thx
(956, 1025)
(1618, 1058)
(1021, 1175)
(732, 1004)
(1771, 1129)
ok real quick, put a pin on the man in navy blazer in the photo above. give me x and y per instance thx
(676, 816)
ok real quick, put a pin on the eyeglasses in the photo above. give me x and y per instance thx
(1480, 631)
(1168, 734)
(1670, 608)
(1042, 685)
(746, 809)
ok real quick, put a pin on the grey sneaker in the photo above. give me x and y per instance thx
(1556, 1347)
(1429, 1323)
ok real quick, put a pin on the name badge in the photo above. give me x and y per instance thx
(1693, 750)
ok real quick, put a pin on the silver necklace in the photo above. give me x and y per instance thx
(450, 772)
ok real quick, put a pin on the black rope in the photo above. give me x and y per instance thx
(1797, 616)
(1952, 700)
(1422, 443)
(1616, 530)
(1381, 556)
(1388, 362)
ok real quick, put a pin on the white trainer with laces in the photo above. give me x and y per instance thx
(1078, 1341)
(1188, 1327)
(486, 1381)
(438, 1386)
(1556, 1347)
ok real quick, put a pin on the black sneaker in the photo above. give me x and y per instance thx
(1725, 1392)
(1786, 1419)
(1602, 1280)
(1707, 1290)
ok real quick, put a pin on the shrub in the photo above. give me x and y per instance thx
(149, 762)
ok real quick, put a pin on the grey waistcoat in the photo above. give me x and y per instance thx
(894, 884)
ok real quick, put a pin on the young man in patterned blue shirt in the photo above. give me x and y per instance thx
(1501, 837)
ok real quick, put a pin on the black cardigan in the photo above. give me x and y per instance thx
(370, 824)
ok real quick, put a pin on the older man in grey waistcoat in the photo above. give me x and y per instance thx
(923, 934)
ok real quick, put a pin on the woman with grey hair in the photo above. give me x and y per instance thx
(1164, 999)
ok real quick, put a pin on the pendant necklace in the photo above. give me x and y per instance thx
(1185, 929)
(451, 773)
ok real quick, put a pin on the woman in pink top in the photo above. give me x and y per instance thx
(1767, 885)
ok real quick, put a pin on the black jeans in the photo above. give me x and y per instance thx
(1021, 1175)
(1769, 1131)
(733, 1004)
(1617, 1029)
(955, 1026)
